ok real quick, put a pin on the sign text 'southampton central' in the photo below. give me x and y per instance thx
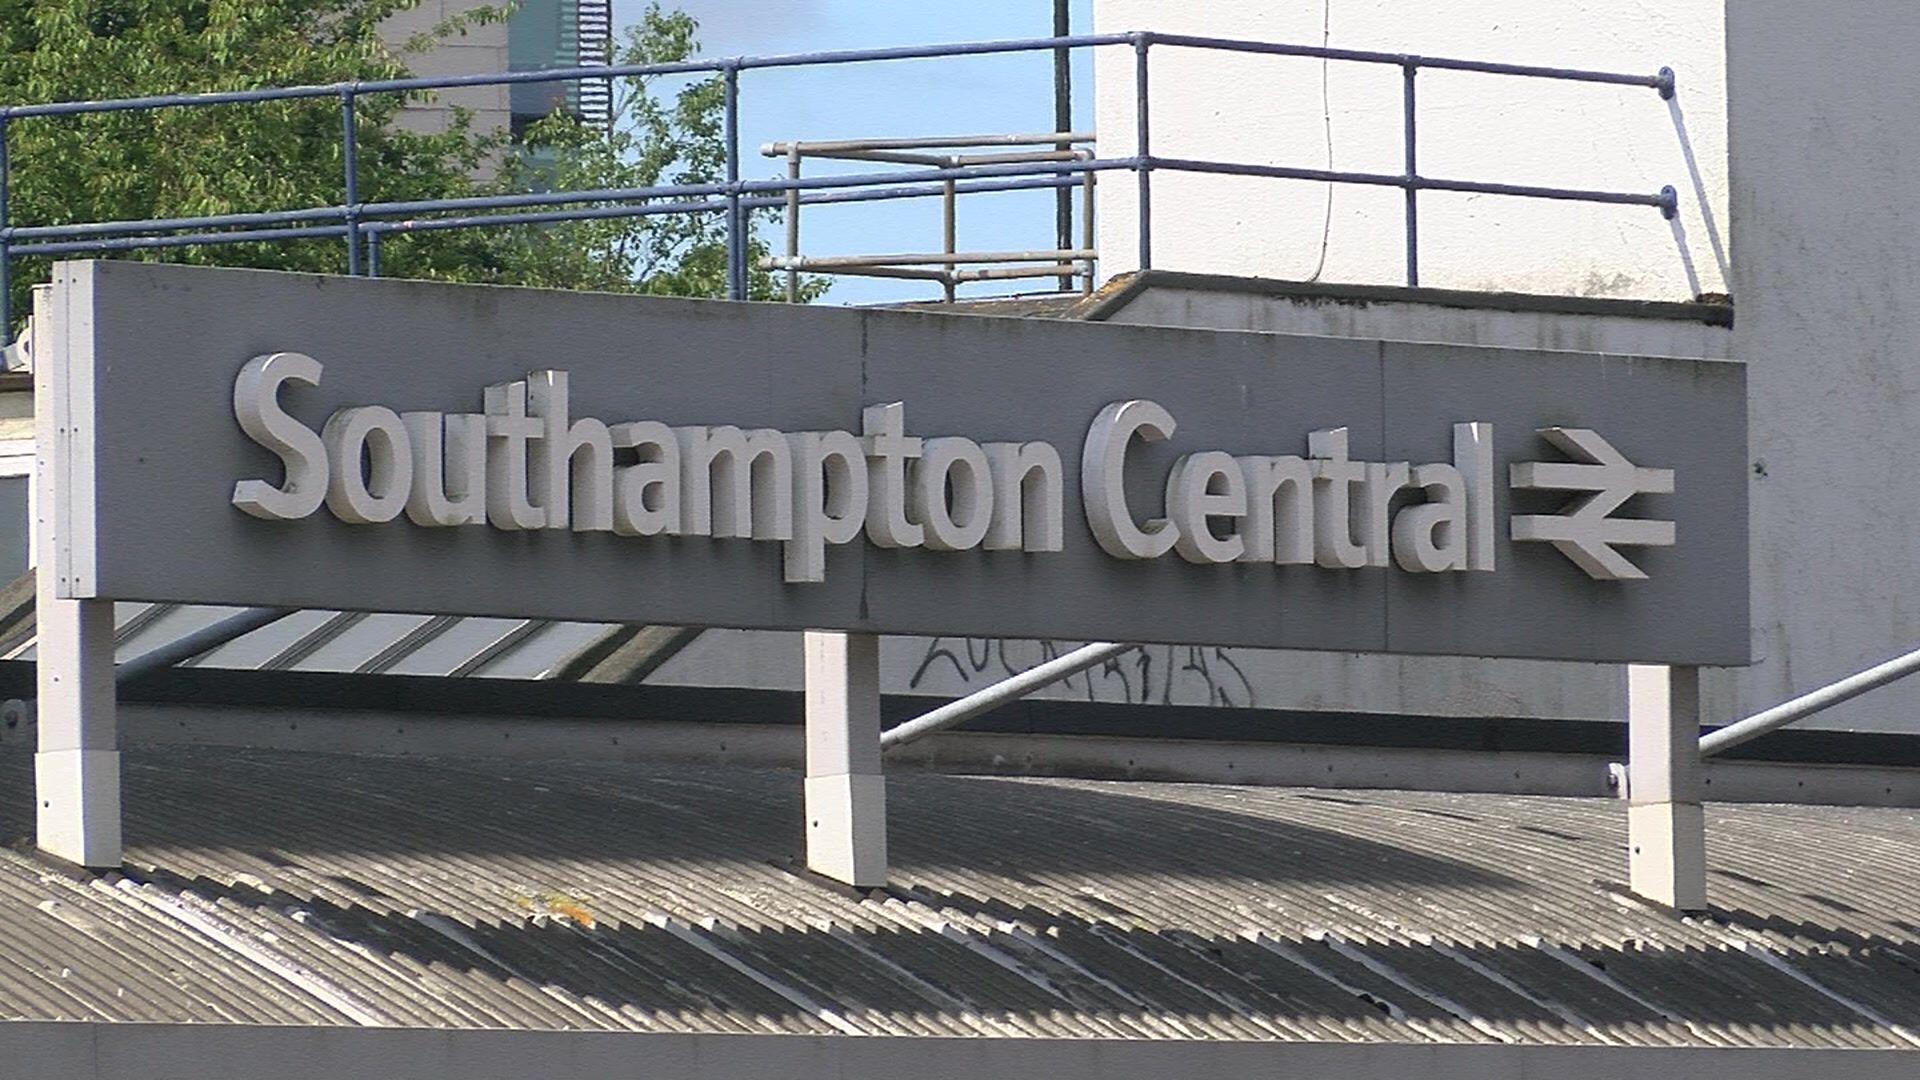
(397, 446)
(525, 463)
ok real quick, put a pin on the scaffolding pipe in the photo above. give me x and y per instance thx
(821, 147)
(205, 639)
(948, 258)
(1806, 705)
(1002, 692)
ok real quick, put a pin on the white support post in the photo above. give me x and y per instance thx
(846, 791)
(77, 769)
(1666, 825)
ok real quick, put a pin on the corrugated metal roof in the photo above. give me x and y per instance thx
(270, 886)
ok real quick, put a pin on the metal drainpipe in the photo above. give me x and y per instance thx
(1806, 705)
(205, 639)
(1001, 693)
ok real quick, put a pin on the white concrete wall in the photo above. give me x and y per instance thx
(1276, 110)
(1826, 220)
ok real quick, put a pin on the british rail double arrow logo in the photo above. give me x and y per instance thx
(1586, 531)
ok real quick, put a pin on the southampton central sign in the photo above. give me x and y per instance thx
(378, 445)
(525, 464)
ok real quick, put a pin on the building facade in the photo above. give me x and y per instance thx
(537, 34)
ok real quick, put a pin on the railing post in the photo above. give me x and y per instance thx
(736, 240)
(949, 227)
(373, 253)
(793, 224)
(846, 791)
(1063, 121)
(6, 244)
(1666, 824)
(350, 163)
(1413, 191)
(1144, 169)
(1086, 231)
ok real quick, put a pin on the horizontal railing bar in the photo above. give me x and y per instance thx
(780, 185)
(1037, 168)
(1660, 201)
(135, 243)
(912, 273)
(1023, 155)
(902, 157)
(1053, 173)
(963, 187)
(549, 217)
(573, 74)
(1662, 81)
(1418, 183)
(935, 258)
(1364, 56)
(371, 86)
(1009, 272)
(781, 149)
(540, 198)
(927, 52)
(209, 221)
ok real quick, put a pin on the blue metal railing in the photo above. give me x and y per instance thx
(363, 225)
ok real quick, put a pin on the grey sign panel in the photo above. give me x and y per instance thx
(152, 352)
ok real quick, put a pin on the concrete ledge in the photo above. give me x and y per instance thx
(1124, 288)
(765, 744)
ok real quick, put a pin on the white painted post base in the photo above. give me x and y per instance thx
(77, 771)
(845, 789)
(78, 796)
(1666, 825)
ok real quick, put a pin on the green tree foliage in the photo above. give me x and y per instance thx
(285, 155)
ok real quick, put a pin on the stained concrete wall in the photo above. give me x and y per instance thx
(1315, 114)
(1826, 224)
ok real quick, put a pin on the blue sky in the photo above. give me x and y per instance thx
(949, 96)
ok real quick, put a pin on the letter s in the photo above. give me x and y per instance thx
(256, 405)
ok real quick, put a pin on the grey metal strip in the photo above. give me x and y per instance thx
(140, 620)
(311, 642)
(501, 645)
(408, 643)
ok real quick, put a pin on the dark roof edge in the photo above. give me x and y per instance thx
(1032, 716)
(1120, 291)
